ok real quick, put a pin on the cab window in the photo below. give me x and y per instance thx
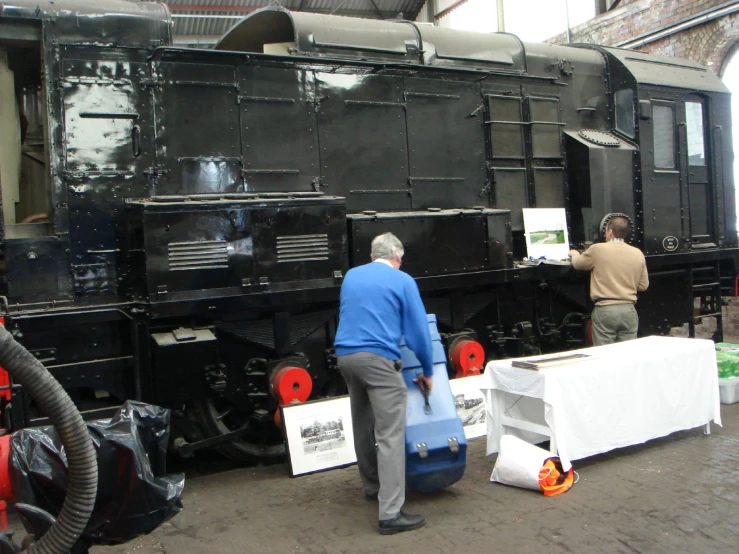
(624, 102)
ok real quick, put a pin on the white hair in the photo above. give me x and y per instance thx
(387, 246)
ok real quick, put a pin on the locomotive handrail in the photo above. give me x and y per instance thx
(46, 313)
(372, 103)
(421, 49)
(250, 56)
(525, 123)
(359, 48)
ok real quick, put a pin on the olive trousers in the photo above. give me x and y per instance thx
(614, 323)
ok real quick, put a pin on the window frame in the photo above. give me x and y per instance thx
(704, 142)
(632, 135)
(656, 104)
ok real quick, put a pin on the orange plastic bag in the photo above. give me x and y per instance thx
(553, 480)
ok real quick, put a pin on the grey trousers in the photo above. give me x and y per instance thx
(378, 397)
(614, 323)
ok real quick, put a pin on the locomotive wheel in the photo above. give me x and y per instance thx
(216, 417)
(263, 441)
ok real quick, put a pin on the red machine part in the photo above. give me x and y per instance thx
(4, 377)
(6, 490)
(467, 357)
(291, 384)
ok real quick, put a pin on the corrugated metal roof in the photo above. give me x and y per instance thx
(200, 21)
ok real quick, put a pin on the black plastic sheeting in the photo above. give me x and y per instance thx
(135, 495)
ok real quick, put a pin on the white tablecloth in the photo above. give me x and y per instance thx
(623, 394)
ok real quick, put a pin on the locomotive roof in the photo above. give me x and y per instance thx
(674, 72)
(149, 24)
(105, 22)
(309, 34)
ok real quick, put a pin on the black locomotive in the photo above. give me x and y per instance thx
(181, 220)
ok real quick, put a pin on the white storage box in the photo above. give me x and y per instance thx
(729, 390)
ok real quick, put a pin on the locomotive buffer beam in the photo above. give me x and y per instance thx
(187, 449)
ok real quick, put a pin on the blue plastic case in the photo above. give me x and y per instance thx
(435, 445)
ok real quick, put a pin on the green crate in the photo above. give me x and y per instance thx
(727, 357)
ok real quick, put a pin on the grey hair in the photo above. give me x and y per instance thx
(387, 246)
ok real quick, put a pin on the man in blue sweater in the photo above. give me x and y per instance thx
(379, 305)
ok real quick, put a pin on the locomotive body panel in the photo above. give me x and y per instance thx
(203, 245)
(473, 240)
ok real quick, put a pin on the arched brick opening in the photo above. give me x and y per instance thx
(731, 51)
(702, 29)
(725, 43)
(726, 49)
(709, 44)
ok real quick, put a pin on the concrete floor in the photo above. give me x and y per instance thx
(675, 494)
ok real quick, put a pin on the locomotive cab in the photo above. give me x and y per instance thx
(679, 111)
(29, 245)
(23, 132)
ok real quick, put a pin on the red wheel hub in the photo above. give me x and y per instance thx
(467, 357)
(292, 384)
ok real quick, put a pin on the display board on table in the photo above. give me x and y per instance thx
(545, 230)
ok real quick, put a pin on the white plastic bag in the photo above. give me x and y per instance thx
(519, 463)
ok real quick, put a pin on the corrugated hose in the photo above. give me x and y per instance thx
(55, 403)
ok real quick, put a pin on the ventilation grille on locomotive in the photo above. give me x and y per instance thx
(302, 248)
(208, 254)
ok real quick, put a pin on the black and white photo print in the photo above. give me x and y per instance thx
(470, 404)
(319, 435)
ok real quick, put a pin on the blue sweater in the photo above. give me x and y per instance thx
(379, 304)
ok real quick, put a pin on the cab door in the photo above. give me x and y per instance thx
(107, 139)
(663, 185)
(696, 150)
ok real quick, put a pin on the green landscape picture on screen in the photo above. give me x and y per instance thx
(556, 236)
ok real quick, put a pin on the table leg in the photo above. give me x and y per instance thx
(707, 430)
(552, 444)
(539, 429)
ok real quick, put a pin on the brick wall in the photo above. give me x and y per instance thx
(708, 43)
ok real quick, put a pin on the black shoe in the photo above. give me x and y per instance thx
(370, 495)
(401, 522)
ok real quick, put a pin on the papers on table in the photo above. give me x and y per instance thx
(550, 361)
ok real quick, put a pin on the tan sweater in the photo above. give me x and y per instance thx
(618, 272)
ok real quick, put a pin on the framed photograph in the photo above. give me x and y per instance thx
(470, 403)
(318, 435)
(546, 233)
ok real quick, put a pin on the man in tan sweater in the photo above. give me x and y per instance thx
(618, 272)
